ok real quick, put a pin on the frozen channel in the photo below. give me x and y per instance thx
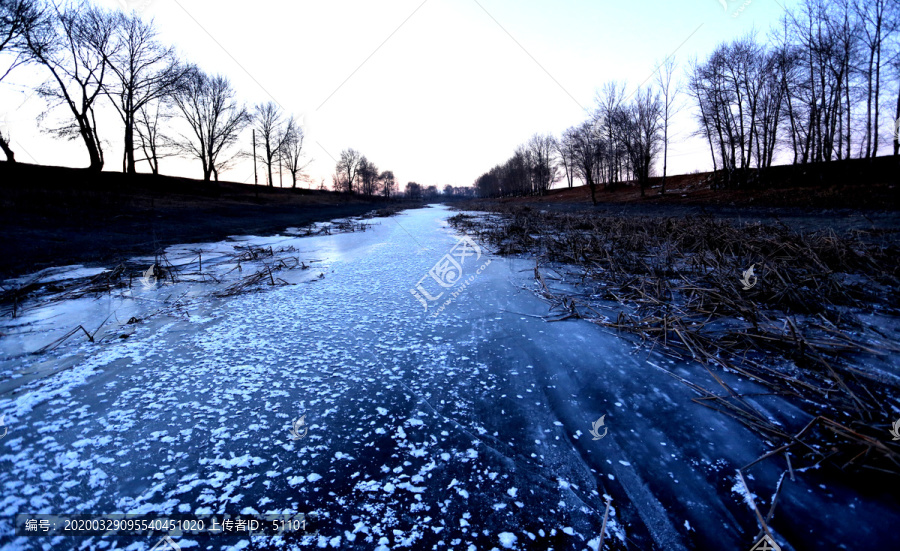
(460, 428)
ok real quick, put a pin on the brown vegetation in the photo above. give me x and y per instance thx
(822, 306)
(854, 183)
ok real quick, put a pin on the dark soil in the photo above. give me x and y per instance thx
(844, 195)
(53, 216)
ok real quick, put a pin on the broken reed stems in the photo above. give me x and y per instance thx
(677, 284)
(603, 526)
(13, 300)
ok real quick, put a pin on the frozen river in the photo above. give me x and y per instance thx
(465, 425)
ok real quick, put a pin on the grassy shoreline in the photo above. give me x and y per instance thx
(825, 304)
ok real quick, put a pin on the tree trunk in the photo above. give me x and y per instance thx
(662, 189)
(129, 146)
(591, 185)
(96, 158)
(95, 153)
(11, 156)
(877, 89)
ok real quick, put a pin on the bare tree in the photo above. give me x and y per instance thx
(669, 88)
(516, 173)
(740, 91)
(75, 47)
(877, 25)
(292, 149)
(368, 177)
(270, 129)
(640, 126)
(585, 147)
(144, 71)
(149, 122)
(540, 151)
(216, 119)
(818, 42)
(388, 183)
(347, 169)
(565, 148)
(609, 105)
(413, 191)
(17, 19)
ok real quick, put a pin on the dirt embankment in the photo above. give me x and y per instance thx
(867, 184)
(56, 216)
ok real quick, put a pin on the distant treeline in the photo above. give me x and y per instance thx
(93, 56)
(354, 173)
(814, 89)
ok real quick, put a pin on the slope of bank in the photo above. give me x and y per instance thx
(868, 184)
(56, 215)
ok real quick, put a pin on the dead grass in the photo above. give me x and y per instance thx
(801, 331)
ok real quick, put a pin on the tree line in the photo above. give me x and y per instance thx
(816, 89)
(354, 173)
(91, 56)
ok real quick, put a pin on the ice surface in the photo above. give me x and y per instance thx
(465, 429)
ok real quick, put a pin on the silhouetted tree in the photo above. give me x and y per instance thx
(210, 107)
(143, 71)
(292, 149)
(388, 183)
(368, 177)
(565, 148)
(413, 191)
(585, 148)
(347, 169)
(149, 122)
(75, 47)
(269, 127)
(540, 151)
(609, 106)
(17, 18)
(640, 133)
(669, 89)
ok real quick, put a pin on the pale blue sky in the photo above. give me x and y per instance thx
(445, 98)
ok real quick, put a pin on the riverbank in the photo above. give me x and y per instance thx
(811, 315)
(53, 216)
(870, 185)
